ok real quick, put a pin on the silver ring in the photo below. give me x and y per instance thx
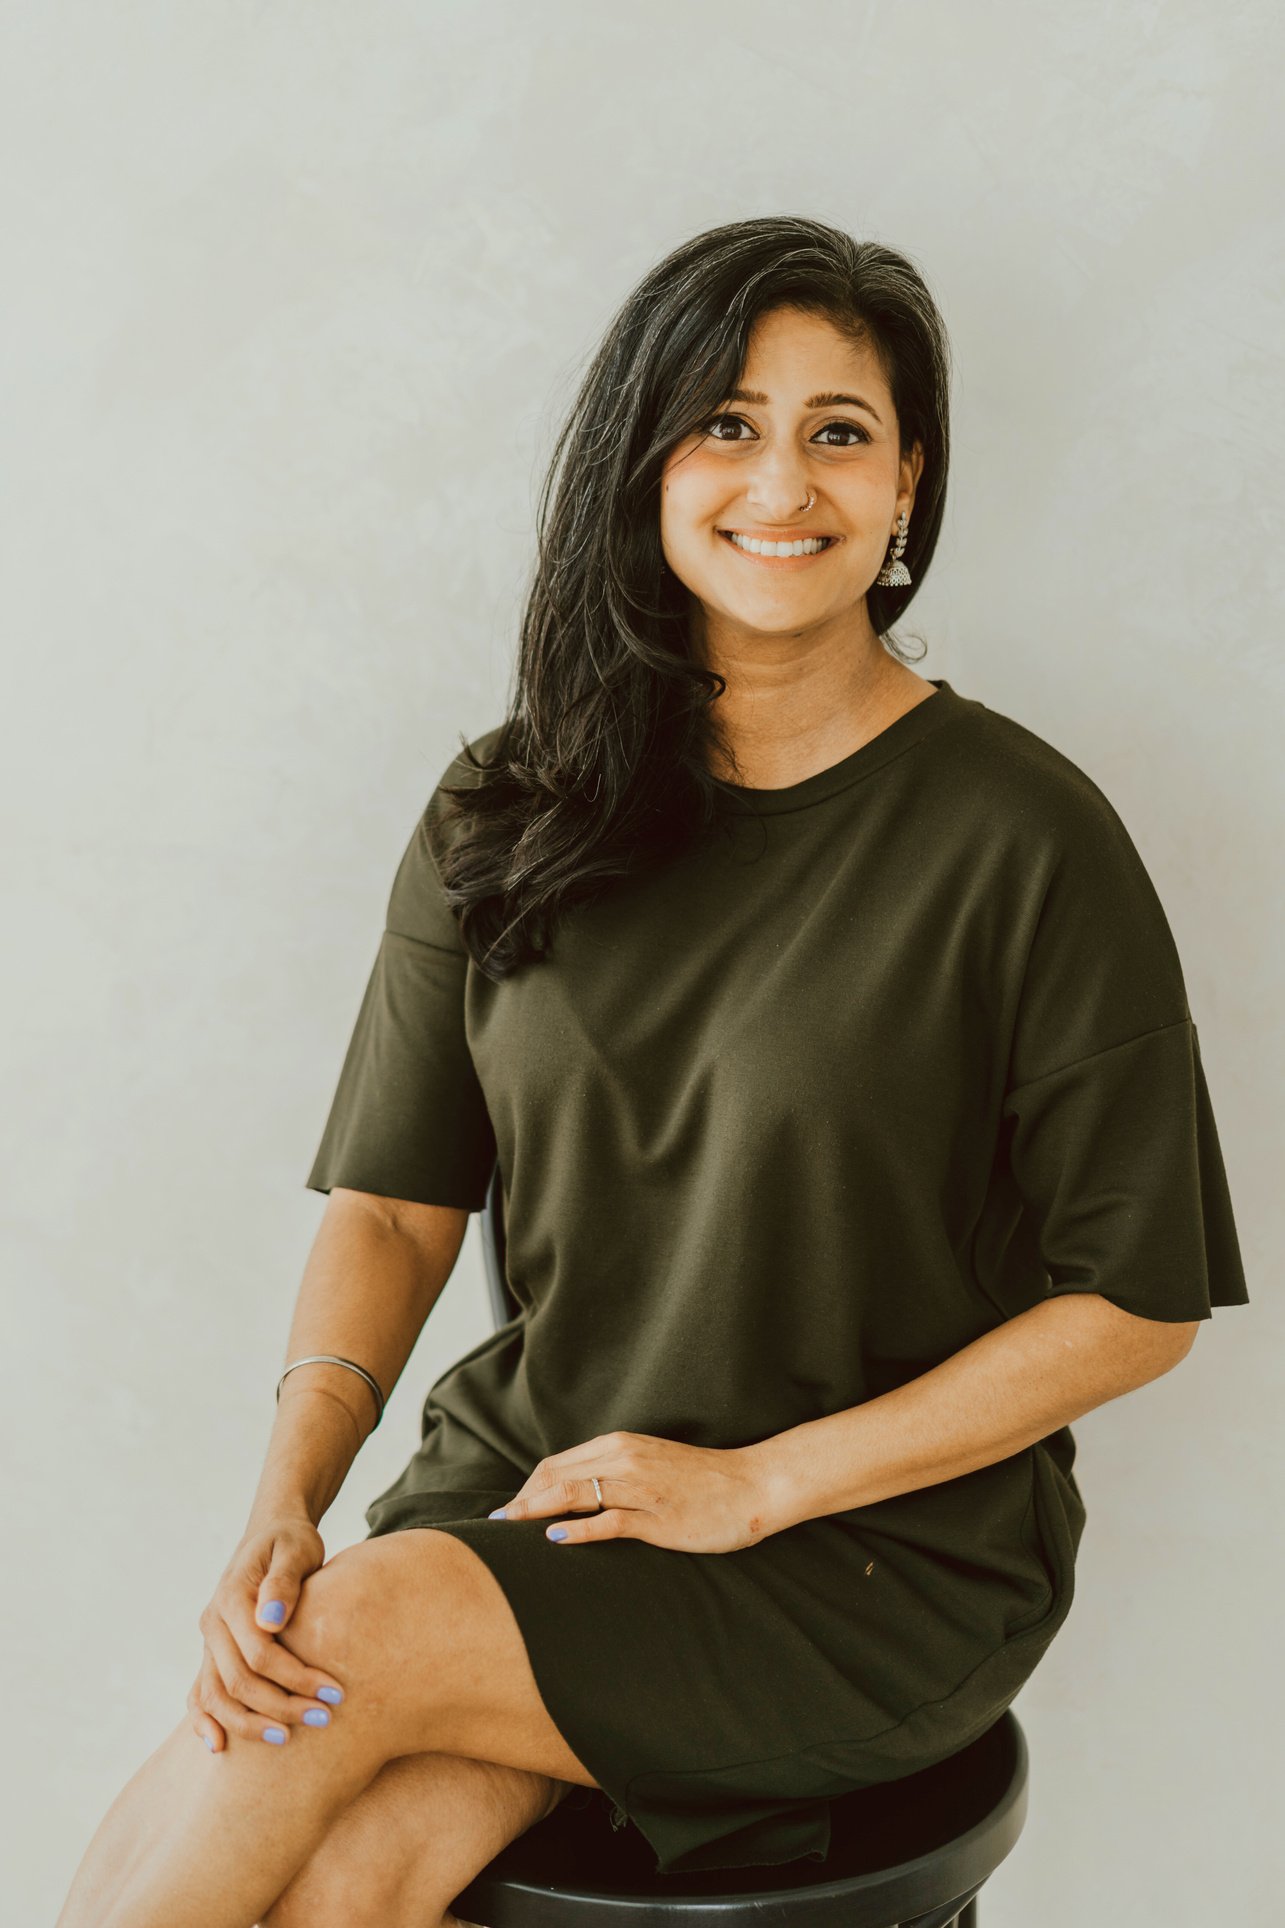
(597, 1489)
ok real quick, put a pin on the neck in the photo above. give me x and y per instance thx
(794, 706)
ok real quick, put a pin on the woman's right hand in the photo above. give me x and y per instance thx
(248, 1682)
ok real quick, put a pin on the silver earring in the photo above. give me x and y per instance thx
(894, 574)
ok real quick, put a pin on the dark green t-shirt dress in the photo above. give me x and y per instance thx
(891, 1056)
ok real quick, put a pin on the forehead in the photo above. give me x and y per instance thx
(790, 346)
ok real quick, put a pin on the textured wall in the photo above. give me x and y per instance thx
(295, 296)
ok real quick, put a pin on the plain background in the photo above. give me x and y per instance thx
(295, 297)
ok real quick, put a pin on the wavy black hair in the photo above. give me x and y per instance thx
(602, 763)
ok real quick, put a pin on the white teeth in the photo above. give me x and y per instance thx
(806, 546)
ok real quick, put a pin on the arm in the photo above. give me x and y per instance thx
(1033, 1374)
(375, 1271)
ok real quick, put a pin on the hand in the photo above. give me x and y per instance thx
(248, 1683)
(698, 1499)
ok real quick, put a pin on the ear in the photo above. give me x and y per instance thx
(912, 467)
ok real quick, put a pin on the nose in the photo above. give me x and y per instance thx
(778, 489)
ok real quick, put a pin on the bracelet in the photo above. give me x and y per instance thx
(333, 1359)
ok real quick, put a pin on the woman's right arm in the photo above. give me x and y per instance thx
(376, 1269)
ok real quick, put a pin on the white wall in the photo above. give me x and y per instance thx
(295, 297)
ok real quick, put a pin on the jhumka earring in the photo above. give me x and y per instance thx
(894, 574)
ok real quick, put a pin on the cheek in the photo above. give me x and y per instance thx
(687, 501)
(691, 500)
(699, 476)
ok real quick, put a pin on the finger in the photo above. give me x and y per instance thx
(615, 1523)
(597, 1454)
(280, 1667)
(278, 1592)
(514, 1509)
(219, 1707)
(568, 1495)
(204, 1724)
(232, 1715)
(259, 1702)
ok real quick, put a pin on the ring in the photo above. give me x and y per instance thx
(597, 1489)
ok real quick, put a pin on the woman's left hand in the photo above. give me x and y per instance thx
(698, 1499)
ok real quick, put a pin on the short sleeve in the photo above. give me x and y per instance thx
(409, 1118)
(1111, 1138)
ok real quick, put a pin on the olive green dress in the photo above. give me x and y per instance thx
(893, 1055)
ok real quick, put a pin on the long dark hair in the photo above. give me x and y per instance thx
(602, 762)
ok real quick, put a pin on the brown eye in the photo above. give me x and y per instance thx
(713, 423)
(853, 428)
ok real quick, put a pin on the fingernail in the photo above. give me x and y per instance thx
(497, 1515)
(208, 1742)
(316, 1717)
(557, 1532)
(333, 1694)
(274, 1612)
(274, 1734)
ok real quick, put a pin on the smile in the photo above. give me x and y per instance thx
(779, 554)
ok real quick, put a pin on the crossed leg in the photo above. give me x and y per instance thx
(412, 1842)
(420, 1635)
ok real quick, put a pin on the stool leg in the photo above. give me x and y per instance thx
(966, 1917)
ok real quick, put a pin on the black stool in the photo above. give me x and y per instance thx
(911, 1853)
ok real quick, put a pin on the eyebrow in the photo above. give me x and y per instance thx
(813, 401)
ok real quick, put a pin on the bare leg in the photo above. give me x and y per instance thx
(426, 1825)
(212, 1840)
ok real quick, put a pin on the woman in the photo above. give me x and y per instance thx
(854, 1139)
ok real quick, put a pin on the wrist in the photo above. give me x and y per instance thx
(276, 1508)
(775, 1488)
(315, 1437)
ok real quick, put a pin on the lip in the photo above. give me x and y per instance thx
(780, 535)
(780, 562)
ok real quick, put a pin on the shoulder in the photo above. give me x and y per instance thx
(1014, 763)
(463, 772)
(1022, 786)
(1040, 842)
(1084, 914)
(417, 907)
(462, 768)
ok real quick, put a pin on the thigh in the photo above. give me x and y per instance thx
(421, 1634)
(412, 1841)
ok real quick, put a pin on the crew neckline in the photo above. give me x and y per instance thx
(909, 728)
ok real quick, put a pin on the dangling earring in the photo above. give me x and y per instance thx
(894, 574)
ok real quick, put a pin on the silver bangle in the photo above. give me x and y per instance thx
(333, 1359)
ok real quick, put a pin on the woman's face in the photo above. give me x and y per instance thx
(752, 466)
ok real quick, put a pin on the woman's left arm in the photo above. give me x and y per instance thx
(1038, 1371)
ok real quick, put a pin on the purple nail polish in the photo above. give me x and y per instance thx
(332, 1694)
(557, 1532)
(276, 1735)
(497, 1515)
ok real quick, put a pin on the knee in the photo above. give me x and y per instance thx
(326, 1627)
(324, 1898)
(346, 1620)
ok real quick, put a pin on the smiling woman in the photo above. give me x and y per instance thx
(800, 485)
(782, 532)
(835, 1052)
(831, 1044)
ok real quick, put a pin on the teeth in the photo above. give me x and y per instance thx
(805, 546)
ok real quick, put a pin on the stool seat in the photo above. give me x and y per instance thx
(910, 1853)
